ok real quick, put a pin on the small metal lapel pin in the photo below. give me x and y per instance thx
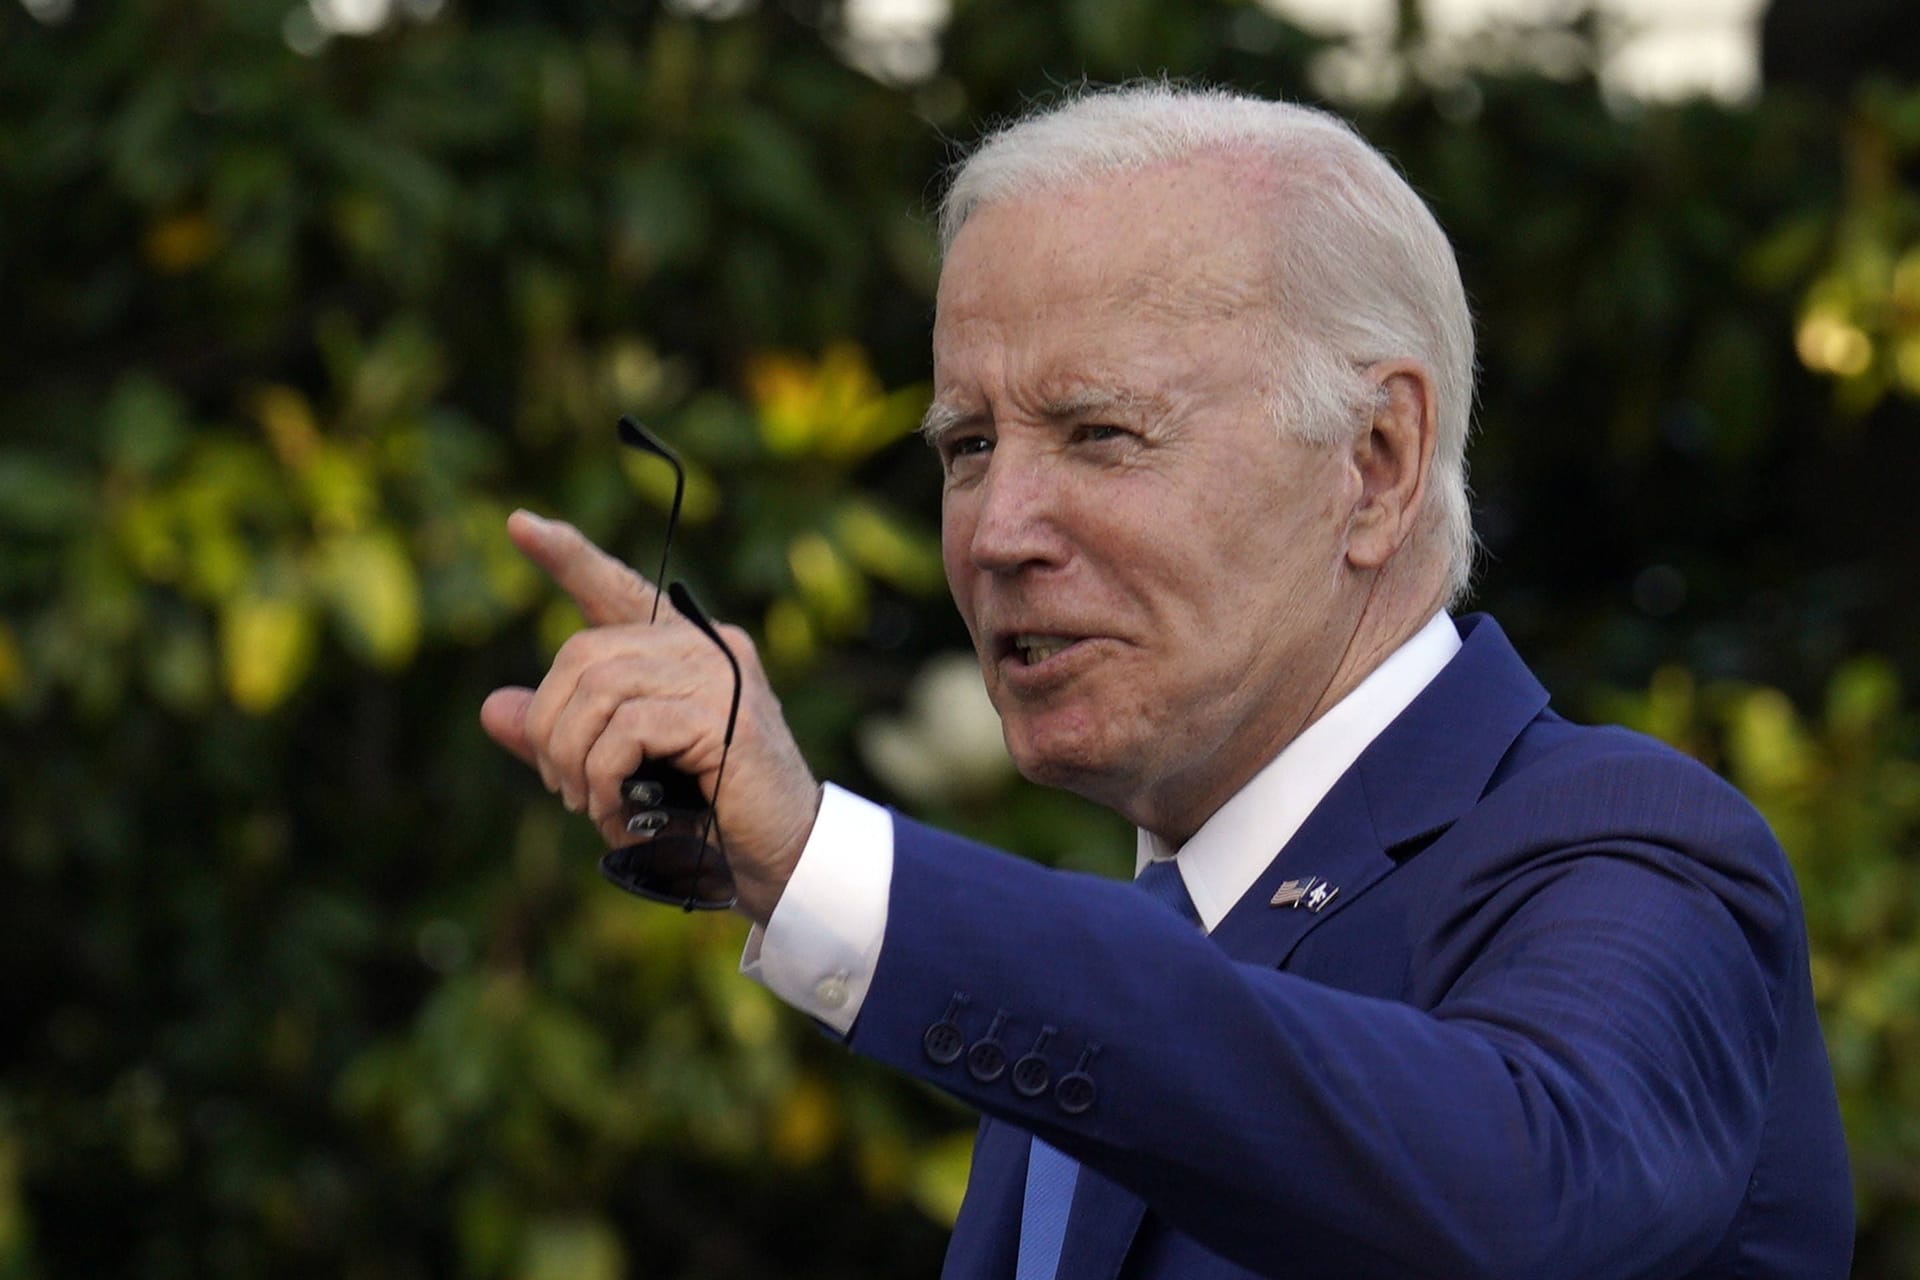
(1314, 892)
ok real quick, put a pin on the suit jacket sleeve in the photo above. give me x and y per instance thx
(1570, 1081)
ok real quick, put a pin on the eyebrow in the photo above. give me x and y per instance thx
(941, 420)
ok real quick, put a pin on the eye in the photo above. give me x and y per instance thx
(960, 453)
(1099, 432)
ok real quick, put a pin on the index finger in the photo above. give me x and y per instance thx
(605, 588)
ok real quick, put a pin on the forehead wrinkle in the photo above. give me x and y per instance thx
(1195, 294)
(1093, 397)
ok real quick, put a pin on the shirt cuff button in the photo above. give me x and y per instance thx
(831, 992)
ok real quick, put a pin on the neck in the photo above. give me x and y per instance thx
(1399, 601)
(1388, 615)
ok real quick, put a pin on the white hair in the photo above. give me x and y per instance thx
(1367, 273)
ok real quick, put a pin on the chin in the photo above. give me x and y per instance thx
(1078, 767)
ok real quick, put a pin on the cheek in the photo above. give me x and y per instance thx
(1293, 542)
(960, 587)
(954, 538)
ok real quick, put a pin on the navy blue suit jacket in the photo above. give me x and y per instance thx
(1556, 1022)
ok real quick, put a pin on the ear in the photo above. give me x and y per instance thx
(1391, 457)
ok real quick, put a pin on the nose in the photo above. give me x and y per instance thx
(1015, 515)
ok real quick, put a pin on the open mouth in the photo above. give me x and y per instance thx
(1032, 650)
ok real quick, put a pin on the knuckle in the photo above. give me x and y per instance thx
(599, 681)
(538, 727)
(624, 722)
(578, 649)
(602, 770)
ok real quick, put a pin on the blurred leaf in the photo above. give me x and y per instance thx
(266, 643)
(830, 587)
(180, 242)
(289, 423)
(144, 428)
(1863, 697)
(791, 642)
(805, 1123)
(180, 667)
(369, 582)
(834, 407)
(888, 549)
(571, 1249)
(41, 496)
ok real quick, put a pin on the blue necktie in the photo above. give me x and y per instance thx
(1161, 881)
(1051, 1175)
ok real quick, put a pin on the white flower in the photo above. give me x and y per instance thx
(947, 745)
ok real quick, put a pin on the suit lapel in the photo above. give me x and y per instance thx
(1425, 769)
(1337, 849)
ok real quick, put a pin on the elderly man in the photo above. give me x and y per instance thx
(1472, 992)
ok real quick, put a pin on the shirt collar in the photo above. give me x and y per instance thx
(1221, 860)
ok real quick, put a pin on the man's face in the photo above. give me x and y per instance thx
(1153, 575)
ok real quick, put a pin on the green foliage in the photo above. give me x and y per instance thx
(306, 975)
(1860, 322)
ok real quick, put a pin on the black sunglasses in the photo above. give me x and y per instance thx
(678, 855)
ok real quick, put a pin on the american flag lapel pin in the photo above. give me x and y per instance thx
(1290, 892)
(1311, 890)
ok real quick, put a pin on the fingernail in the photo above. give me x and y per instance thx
(538, 521)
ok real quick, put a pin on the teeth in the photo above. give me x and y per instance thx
(1040, 648)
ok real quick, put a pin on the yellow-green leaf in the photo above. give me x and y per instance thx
(887, 549)
(791, 641)
(834, 591)
(266, 645)
(369, 583)
(1765, 740)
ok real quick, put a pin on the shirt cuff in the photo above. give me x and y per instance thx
(822, 944)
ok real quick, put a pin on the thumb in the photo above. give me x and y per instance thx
(606, 590)
(504, 716)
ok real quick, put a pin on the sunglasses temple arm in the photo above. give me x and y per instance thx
(666, 545)
(690, 609)
(635, 436)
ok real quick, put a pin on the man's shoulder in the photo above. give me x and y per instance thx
(1606, 787)
(1555, 752)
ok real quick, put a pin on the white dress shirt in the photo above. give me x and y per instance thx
(819, 951)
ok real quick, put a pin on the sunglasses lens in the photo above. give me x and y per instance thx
(678, 865)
